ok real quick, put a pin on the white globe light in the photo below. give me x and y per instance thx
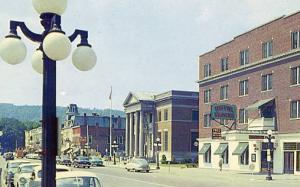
(84, 58)
(50, 6)
(57, 46)
(269, 132)
(12, 50)
(37, 61)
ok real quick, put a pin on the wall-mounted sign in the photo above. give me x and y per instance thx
(216, 133)
(223, 111)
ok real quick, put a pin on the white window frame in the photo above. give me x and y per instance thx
(268, 81)
(224, 61)
(207, 96)
(245, 115)
(207, 70)
(297, 75)
(298, 39)
(206, 121)
(244, 62)
(267, 45)
(297, 109)
(224, 92)
(243, 82)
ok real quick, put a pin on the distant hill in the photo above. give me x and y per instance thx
(34, 113)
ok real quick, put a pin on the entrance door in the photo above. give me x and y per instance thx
(289, 162)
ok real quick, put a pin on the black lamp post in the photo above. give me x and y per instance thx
(114, 146)
(157, 143)
(269, 150)
(54, 45)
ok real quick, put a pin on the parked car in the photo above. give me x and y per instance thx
(77, 178)
(81, 161)
(65, 160)
(8, 156)
(57, 158)
(96, 161)
(24, 171)
(36, 176)
(10, 170)
(138, 164)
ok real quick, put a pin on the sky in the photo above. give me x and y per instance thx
(141, 45)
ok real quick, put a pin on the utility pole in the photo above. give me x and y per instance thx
(87, 133)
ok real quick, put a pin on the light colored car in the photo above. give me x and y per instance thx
(10, 170)
(36, 176)
(77, 178)
(23, 172)
(138, 164)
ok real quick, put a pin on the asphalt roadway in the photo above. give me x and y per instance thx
(117, 176)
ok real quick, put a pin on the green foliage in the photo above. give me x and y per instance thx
(34, 113)
(13, 133)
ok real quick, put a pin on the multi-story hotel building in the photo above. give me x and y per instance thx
(171, 116)
(258, 72)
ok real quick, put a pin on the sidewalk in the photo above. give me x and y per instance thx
(238, 178)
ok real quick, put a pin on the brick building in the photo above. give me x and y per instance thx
(259, 72)
(74, 132)
(171, 116)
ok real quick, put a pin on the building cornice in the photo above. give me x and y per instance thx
(273, 61)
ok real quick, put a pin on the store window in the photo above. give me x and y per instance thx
(244, 158)
(207, 156)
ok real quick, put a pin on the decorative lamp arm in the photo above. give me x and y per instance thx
(29, 34)
(83, 35)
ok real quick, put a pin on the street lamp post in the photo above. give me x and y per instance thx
(269, 150)
(114, 146)
(157, 143)
(54, 45)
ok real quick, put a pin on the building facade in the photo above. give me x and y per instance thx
(171, 116)
(75, 128)
(33, 140)
(259, 73)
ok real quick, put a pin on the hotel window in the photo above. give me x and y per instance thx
(244, 158)
(266, 82)
(166, 114)
(295, 39)
(267, 49)
(295, 109)
(224, 64)
(207, 70)
(207, 121)
(243, 116)
(207, 95)
(244, 57)
(195, 115)
(159, 115)
(295, 75)
(224, 92)
(165, 140)
(243, 87)
(207, 156)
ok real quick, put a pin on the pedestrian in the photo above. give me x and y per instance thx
(220, 163)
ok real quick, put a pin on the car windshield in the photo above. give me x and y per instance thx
(95, 158)
(82, 158)
(27, 169)
(141, 161)
(78, 182)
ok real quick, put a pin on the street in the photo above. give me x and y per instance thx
(113, 176)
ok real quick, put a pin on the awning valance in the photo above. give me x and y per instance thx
(241, 148)
(222, 147)
(258, 104)
(204, 148)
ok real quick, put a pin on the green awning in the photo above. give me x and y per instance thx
(204, 148)
(241, 148)
(258, 104)
(222, 147)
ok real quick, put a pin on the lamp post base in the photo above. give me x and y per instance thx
(157, 167)
(269, 178)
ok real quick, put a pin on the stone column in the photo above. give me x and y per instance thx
(141, 135)
(131, 135)
(127, 135)
(136, 134)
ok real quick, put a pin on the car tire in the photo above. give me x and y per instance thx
(88, 166)
(147, 171)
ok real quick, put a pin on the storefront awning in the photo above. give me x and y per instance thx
(259, 103)
(241, 148)
(222, 147)
(204, 148)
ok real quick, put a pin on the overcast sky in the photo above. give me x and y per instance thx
(142, 45)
